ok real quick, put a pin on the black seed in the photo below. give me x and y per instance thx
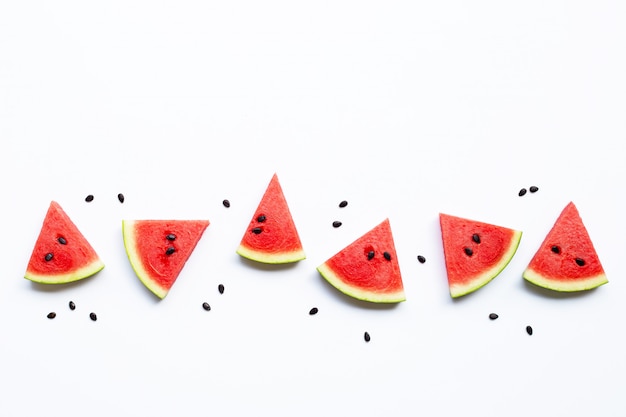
(170, 250)
(468, 251)
(120, 197)
(257, 230)
(336, 223)
(226, 203)
(387, 256)
(529, 330)
(62, 240)
(533, 189)
(493, 316)
(72, 305)
(421, 259)
(261, 218)
(366, 336)
(93, 316)
(580, 262)
(206, 306)
(370, 255)
(49, 257)
(522, 192)
(51, 315)
(171, 236)
(343, 204)
(89, 198)
(220, 288)
(555, 249)
(313, 311)
(476, 238)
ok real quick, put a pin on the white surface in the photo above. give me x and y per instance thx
(405, 109)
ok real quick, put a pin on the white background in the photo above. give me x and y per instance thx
(403, 108)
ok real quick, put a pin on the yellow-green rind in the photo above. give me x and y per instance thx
(82, 273)
(589, 283)
(271, 257)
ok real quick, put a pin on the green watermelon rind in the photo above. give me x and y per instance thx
(271, 257)
(356, 292)
(560, 285)
(81, 273)
(482, 279)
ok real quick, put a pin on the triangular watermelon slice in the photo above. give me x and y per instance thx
(475, 252)
(367, 269)
(271, 236)
(61, 253)
(566, 260)
(159, 249)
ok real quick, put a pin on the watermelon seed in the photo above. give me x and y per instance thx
(206, 306)
(89, 198)
(529, 330)
(343, 204)
(555, 249)
(49, 257)
(170, 250)
(261, 218)
(120, 197)
(171, 236)
(72, 305)
(476, 238)
(366, 336)
(62, 240)
(257, 230)
(51, 315)
(533, 189)
(370, 255)
(493, 316)
(220, 288)
(468, 251)
(387, 256)
(522, 192)
(226, 203)
(93, 316)
(336, 223)
(421, 259)
(580, 262)
(313, 311)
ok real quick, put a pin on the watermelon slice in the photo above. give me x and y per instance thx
(367, 269)
(566, 260)
(271, 236)
(61, 253)
(159, 249)
(475, 252)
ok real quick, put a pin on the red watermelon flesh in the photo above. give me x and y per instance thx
(367, 269)
(159, 249)
(475, 252)
(271, 236)
(566, 260)
(61, 253)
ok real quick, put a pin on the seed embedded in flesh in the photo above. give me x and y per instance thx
(220, 288)
(93, 316)
(51, 315)
(367, 337)
(120, 197)
(89, 198)
(533, 189)
(580, 262)
(171, 236)
(257, 230)
(170, 250)
(421, 259)
(343, 204)
(468, 251)
(522, 192)
(493, 316)
(226, 203)
(72, 305)
(529, 330)
(476, 238)
(555, 249)
(206, 306)
(49, 257)
(62, 240)
(261, 218)
(313, 311)
(387, 256)
(336, 223)
(370, 255)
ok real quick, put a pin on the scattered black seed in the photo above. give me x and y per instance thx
(49, 257)
(529, 330)
(261, 218)
(206, 306)
(522, 192)
(93, 316)
(171, 236)
(533, 189)
(493, 316)
(51, 315)
(343, 204)
(72, 305)
(476, 238)
(120, 197)
(313, 311)
(370, 255)
(226, 203)
(421, 259)
(580, 262)
(555, 249)
(257, 230)
(387, 256)
(220, 288)
(336, 223)
(366, 336)
(468, 251)
(89, 198)
(170, 250)
(62, 240)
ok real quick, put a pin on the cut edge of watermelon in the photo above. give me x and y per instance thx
(85, 272)
(588, 283)
(271, 257)
(356, 292)
(487, 276)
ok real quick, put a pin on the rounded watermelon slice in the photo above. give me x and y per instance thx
(158, 249)
(475, 252)
(367, 269)
(61, 253)
(271, 236)
(566, 260)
